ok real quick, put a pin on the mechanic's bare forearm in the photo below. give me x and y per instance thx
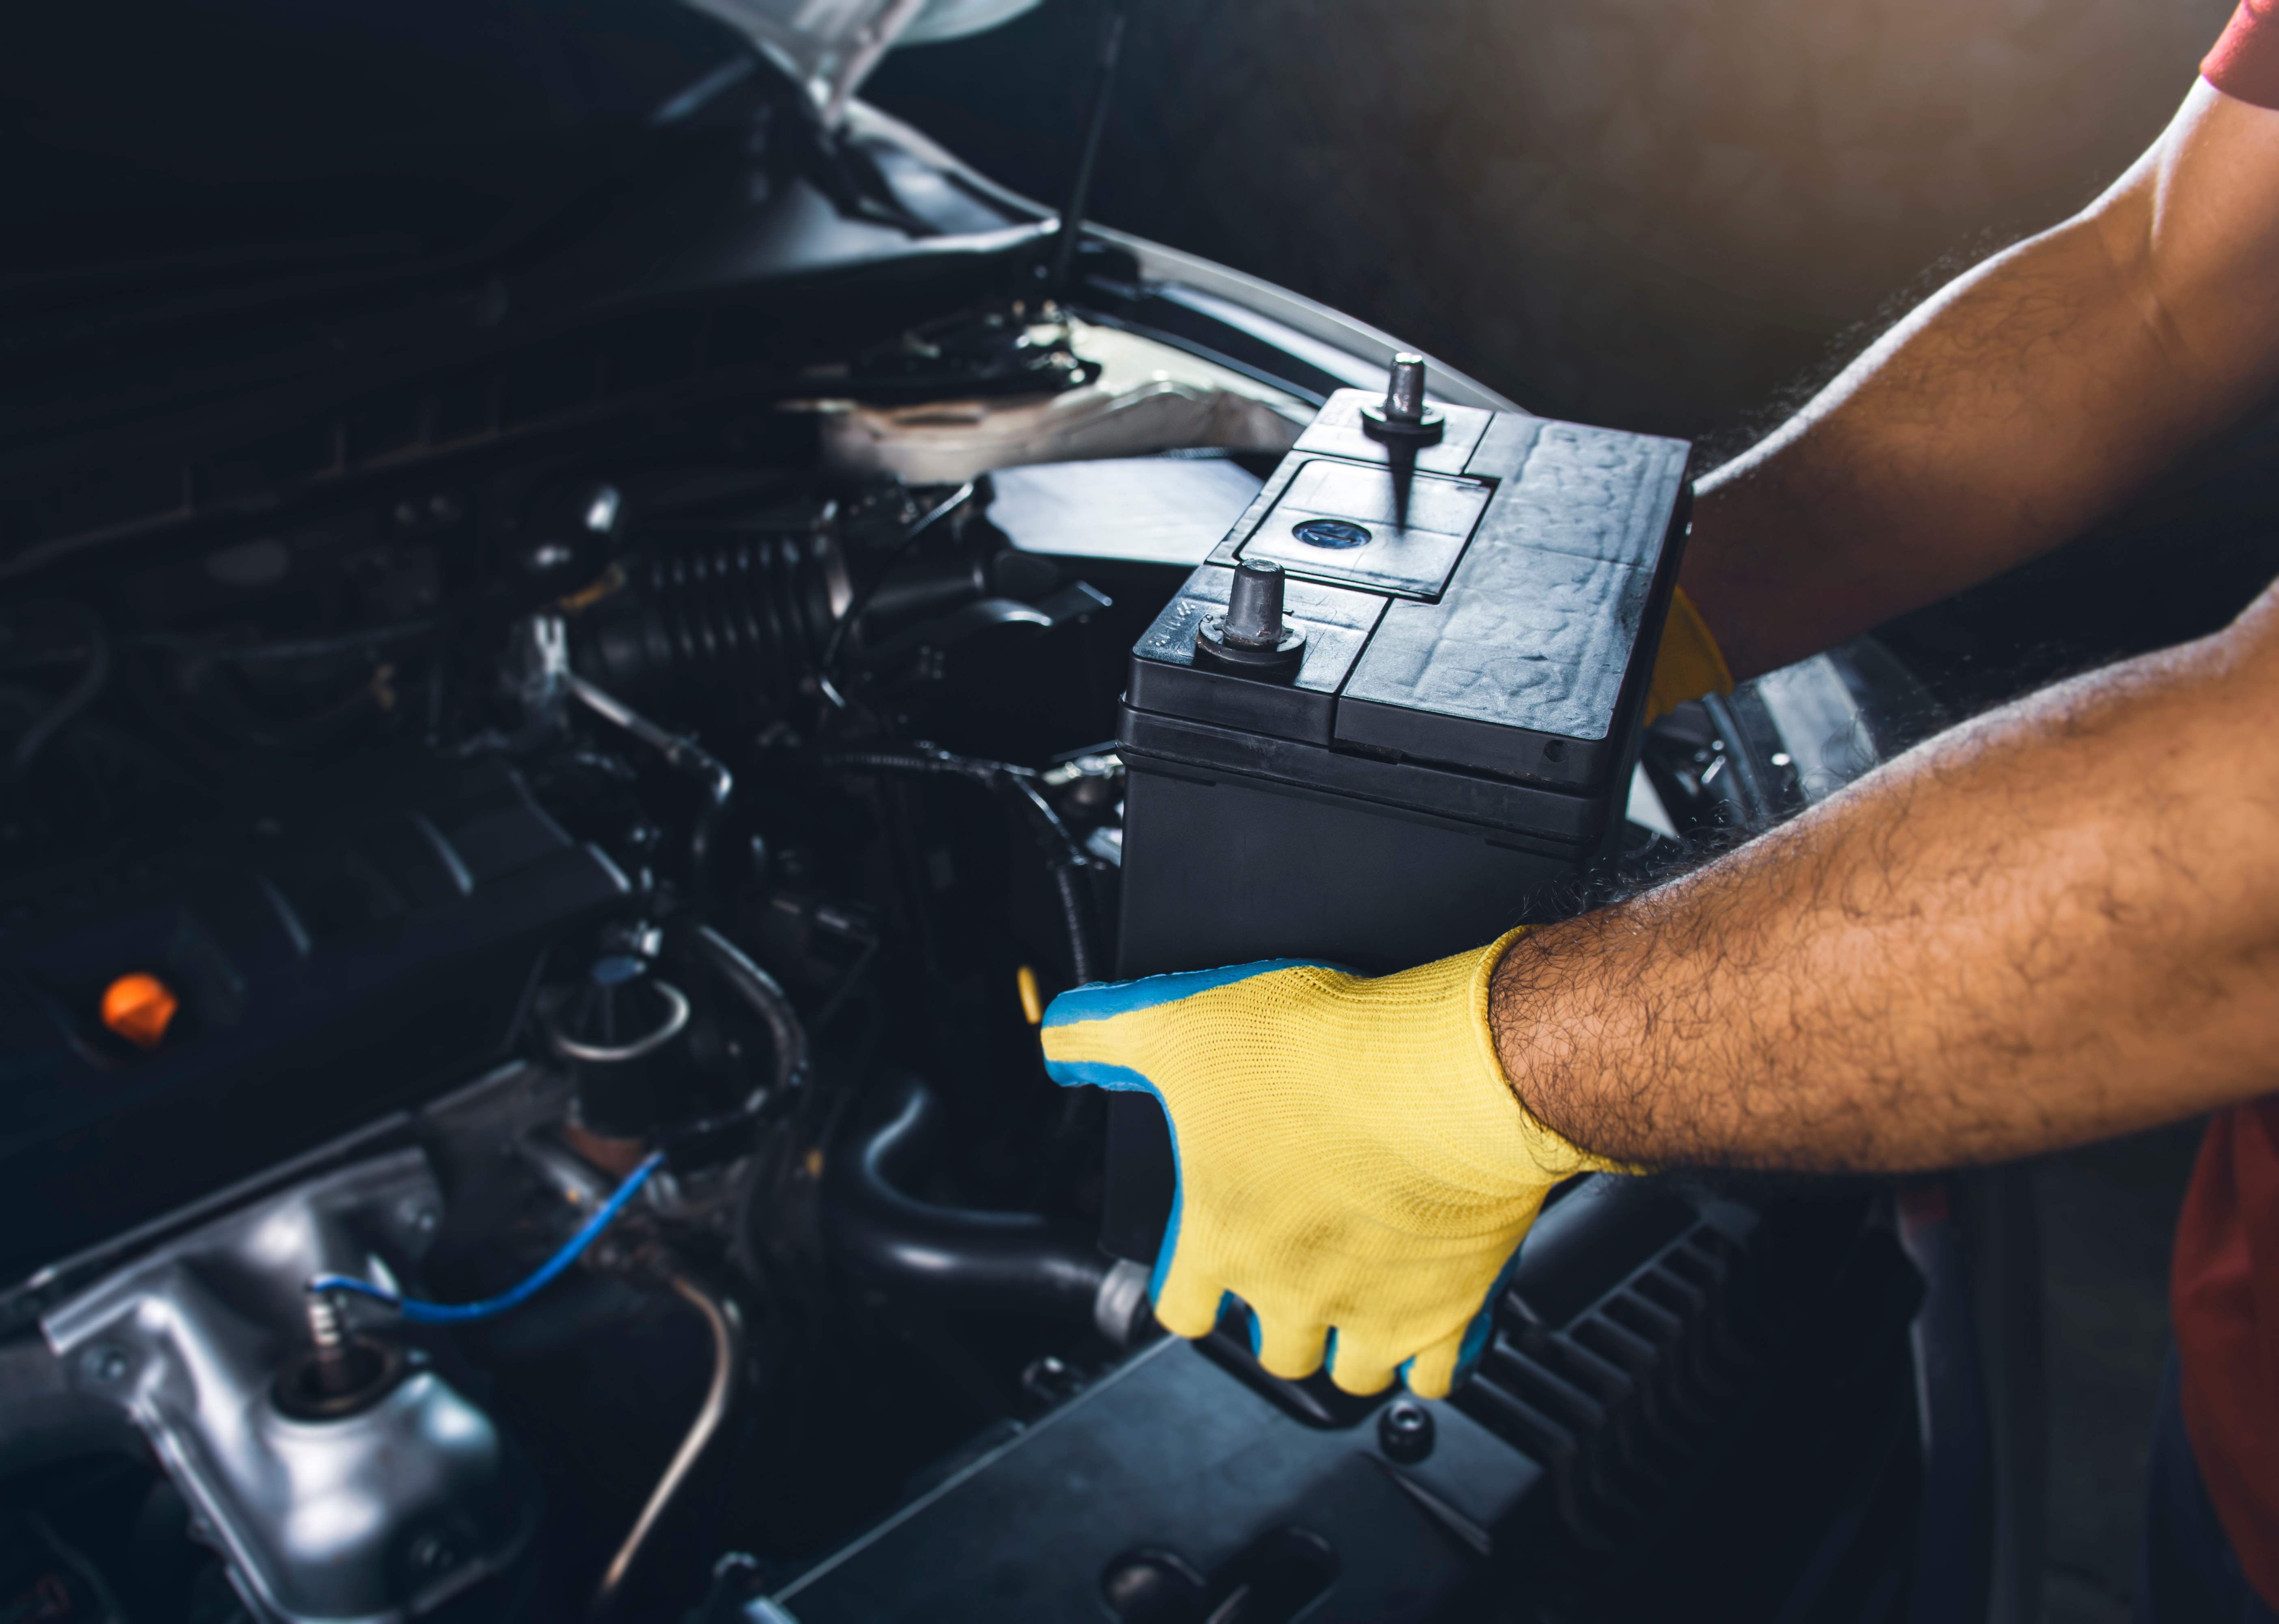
(2007, 414)
(2058, 923)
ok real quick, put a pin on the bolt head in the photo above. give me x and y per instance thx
(1405, 1431)
(1050, 1379)
(106, 1362)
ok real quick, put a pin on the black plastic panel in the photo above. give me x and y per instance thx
(334, 960)
(1171, 1463)
(1303, 877)
(1157, 743)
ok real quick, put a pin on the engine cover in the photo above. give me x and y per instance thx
(335, 957)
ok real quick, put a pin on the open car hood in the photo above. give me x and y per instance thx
(830, 46)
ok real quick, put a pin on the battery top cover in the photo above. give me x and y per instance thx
(1494, 616)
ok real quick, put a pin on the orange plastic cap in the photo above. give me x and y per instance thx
(139, 1007)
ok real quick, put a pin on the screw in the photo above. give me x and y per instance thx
(1405, 1431)
(326, 1331)
(106, 1362)
(328, 1335)
(431, 1553)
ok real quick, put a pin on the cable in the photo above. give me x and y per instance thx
(459, 1313)
(726, 1325)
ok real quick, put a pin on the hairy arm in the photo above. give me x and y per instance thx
(2014, 408)
(2057, 923)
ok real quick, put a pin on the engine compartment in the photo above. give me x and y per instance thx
(718, 791)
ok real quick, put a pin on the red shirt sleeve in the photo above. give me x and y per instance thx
(2245, 61)
(2223, 1297)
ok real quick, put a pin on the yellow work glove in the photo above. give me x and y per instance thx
(1689, 664)
(1352, 1163)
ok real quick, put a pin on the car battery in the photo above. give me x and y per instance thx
(1399, 702)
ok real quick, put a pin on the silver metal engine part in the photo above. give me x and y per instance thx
(377, 1515)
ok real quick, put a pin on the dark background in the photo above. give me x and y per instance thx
(1673, 215)
(1653, 214)
(1677, 216)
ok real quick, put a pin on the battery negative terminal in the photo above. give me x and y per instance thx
(1252, 638)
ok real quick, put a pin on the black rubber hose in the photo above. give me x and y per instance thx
(1065, 858)
(1021, 1261)
(686, 757)
(766, 998)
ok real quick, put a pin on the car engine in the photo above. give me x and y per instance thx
(519, 978)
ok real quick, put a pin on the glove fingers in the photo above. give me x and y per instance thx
(1449, 1360)
(1289, 1348)
(1358, 1367)
(1187, 1297)
(1433, 1372)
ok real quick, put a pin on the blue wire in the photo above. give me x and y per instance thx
(458, 1314)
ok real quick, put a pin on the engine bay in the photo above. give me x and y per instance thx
(639, 868)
